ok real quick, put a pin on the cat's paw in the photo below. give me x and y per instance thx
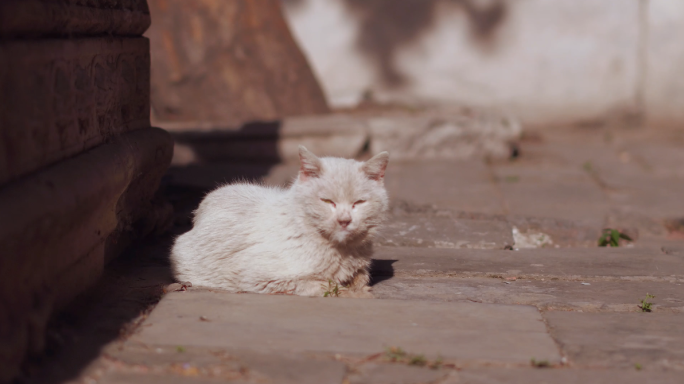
(364, 293)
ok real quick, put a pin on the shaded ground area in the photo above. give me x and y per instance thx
(482, 268)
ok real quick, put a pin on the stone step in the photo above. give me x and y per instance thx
(655, 341)
(440, 232)
(206, 365)
(565, 264)
(189, 367)
(547, 294)
(464, 185)
(289, 324)
(563, 376)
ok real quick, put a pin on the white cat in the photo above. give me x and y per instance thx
(253, 238)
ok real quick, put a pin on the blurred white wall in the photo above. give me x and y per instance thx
(548, 61)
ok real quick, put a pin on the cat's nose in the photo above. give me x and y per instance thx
(344, 222)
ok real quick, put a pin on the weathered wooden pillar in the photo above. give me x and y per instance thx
(79, 162)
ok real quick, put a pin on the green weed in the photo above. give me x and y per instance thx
(539, 363)
(418, 360)
(611, 237)
(332, 290)
(645, 304)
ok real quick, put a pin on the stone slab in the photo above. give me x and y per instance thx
(527, 231)
(651, 196)
(139, 378)
(200, 365)
(464, 185)
(564, 263)
(35, 18)
(444, 134)
(562, 376)
(469, 332)
(556, 192)
(653, 340)
(395, 374)
(61, 97)
(439, 232)
(547, 294)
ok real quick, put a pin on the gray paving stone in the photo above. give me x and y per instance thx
(653, 340)
(558, 232)
(460, 185)
(657, 197)
(141, 378)
(661, 160)
(567, 263)
(562, 376)
(215, 364)
(556, 192)
(444, 232)
(465, 331)
(395, 374)
(548, 295)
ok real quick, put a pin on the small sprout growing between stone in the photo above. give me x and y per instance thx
(394, 354)
(645, 304)
(418, 360)
(398, 355)
(437, 364)
(512, 179)
(637, 366)
(332, 290)
(539, 363)
(611, 237)
(180, 349)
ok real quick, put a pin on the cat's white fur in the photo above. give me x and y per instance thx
(252, 238)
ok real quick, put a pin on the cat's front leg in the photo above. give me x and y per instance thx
(311, 288)
(359, 287)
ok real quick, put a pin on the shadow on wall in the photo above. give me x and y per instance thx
(387, 25)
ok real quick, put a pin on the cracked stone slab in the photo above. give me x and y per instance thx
(556, 232)
(653, 340)
(556, 192)
(436, 232)
(562, 376)
(548, 295)
(395, 374)
(564, 263)
(462, 185)
(267, 323)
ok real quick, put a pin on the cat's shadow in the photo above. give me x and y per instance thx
(381, 270)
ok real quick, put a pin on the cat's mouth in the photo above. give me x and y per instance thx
(346, 235)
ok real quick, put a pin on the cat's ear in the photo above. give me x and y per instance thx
(310, 165)
(375, 167)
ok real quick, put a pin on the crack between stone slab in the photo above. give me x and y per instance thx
(544, 277)
(497, 187)
(564, 358)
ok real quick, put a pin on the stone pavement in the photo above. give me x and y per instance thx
(487, 272)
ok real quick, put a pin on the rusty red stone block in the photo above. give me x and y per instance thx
(227, 61)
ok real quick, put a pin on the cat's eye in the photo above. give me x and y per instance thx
(358, 203)
(328, 201)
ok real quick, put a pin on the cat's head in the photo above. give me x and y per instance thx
(345, 200)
